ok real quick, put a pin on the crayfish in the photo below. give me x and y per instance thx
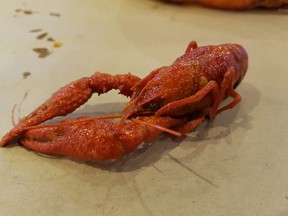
(173, 99)
(235, 4)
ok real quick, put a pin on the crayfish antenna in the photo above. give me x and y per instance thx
(175, 133)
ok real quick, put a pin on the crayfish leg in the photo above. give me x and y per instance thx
(210, 87)
(226, 89)
(218, 95)
(189, 126)
(192, 45)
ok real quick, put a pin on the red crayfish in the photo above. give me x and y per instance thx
(235, 4)
(174, 99)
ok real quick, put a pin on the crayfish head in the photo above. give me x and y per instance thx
(140, 107)
(240, 63)
(165, 87)
(146, 100)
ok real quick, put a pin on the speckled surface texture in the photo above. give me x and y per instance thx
(236, 165)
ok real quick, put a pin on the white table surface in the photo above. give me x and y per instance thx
(237, 165)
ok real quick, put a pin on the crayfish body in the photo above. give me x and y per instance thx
(174, 98)
(171, 91)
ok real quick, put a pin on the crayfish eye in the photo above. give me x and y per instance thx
(154, 106)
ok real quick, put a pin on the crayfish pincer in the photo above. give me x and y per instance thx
(173, 99)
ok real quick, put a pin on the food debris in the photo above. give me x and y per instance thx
(50, 39)
(28, 12)
(42, 52)
(26, 74)
(55, 14)
(41, 36)
(35, 30)
(57, 44)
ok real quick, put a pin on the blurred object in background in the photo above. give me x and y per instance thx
(235, 4)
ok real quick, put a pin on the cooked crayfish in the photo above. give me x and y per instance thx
(175, 99)
(236, 4)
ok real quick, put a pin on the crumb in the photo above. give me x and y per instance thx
(57, 44)
(54, 14)
(28, 12)
(50, 39)
(35, 30)
(26, 74)
(41, 36)
(43, 52)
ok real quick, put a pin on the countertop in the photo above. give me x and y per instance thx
(235, 165)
